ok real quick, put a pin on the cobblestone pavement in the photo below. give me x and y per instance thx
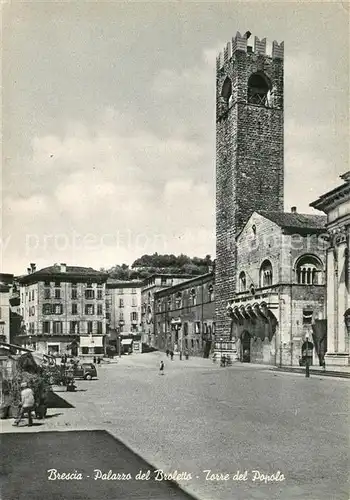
(200, 417)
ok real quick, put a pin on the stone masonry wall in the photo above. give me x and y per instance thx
(249, 156)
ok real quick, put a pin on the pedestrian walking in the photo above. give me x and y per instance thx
(171, 355)
(161, 368)
(167, 352)
(26, 405)
(95, 360)
(180, 355)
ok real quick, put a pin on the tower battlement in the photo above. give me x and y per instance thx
(240, 43)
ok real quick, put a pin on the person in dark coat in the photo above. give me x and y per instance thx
(171, 355)
(161, 368)
(167, 352)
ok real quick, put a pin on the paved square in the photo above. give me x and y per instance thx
(200, 417)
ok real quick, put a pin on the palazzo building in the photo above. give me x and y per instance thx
(184, 316)
(63, 308)
(280, 288)
(6, 281)
(150, 286)
(336, 204)
(123, 306)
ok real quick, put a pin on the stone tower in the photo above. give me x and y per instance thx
(249, 151)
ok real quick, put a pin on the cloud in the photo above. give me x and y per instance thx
(32, 206)
(130, 190)
(300, 69)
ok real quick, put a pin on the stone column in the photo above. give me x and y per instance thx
(343, 296)
(332, 291)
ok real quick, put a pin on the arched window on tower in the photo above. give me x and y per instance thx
(242, 282)
(259, 89)
(226, 92)
(309, 270)
(266, 274)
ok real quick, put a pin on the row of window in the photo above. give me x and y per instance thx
(58, 309)
(89, 294)
(133, 302)
(133, 316)
(308, 272)
(198, 328)
(56, 327)
(121, 291)
(58, 284)
(180, 299)
(48, 294)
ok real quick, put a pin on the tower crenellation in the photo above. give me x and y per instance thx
(240, 43)
(277, 50)
(260, 46)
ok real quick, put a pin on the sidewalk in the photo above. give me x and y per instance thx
(152, 358)
(332, 371)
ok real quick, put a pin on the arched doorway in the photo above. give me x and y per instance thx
(245, 347)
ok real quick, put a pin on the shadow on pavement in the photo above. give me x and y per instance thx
(100, 468)
(24, 424)
(55, 401)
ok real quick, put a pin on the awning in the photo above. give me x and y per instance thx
(126, 341)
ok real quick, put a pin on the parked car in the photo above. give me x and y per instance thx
(85, 370)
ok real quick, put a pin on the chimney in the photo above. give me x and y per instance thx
(293, 210)
(63, 267)
(33, 267)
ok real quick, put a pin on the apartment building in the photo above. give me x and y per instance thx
(123, 307)
(5, 293)
(63, 309)
(150, 286)
(185, 316)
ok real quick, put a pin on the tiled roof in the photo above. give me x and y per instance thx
(125, 283)
(290, 220)
(70, 271)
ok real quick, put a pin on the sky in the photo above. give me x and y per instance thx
(108, 119)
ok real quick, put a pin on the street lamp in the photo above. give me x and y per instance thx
(307, 366)
(176, 325)
(120, 346)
